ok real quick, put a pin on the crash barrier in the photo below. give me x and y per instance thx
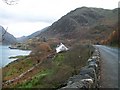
(89, 75)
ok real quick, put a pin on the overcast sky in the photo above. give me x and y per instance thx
(29, 16)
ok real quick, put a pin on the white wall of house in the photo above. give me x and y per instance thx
(61, 48)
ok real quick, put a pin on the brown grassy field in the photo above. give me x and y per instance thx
(0, 78)
(53, 72)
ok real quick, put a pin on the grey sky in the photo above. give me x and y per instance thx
(29, 16)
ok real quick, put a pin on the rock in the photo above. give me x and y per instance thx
(88, 76)
(77, 78)
(89, 71)
(79, 81)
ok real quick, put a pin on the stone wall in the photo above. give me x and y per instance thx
(89, 75)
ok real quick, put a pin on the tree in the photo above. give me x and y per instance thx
(112, 39)
(11, 2)
(40, 51)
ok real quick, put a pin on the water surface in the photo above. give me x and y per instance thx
(5, 53)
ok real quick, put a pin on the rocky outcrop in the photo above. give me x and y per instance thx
(89, 75)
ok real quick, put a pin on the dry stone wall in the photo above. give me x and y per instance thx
(89, 75)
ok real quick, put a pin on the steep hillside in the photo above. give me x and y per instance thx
(43, 68)
(7, 38)
(25, 38)
(113, 39)
(84, 23)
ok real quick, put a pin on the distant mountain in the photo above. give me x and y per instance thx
(7, 38)
(35, 34)
(22, 39)
(84, 24)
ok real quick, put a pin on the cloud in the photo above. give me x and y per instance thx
(35, 14)
(25, 29)
(24, 17)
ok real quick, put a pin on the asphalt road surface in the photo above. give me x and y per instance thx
(109, 67)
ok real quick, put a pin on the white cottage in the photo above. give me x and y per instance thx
(61, 48)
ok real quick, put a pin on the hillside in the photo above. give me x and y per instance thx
(33, 35)
(112, 39)
(7, 38)
(44, 68)
(83, 23)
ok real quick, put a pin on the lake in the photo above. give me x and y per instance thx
(6, 52)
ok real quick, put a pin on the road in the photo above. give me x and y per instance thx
(109, 67)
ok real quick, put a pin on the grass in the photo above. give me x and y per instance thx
(54, 73)
(20, 57)
(48, 76)
(59, 58)
(16, 68)
(37, 79)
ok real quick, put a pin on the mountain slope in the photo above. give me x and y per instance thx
(84, 23)
(35, 34)
(113, 39)
(7, 38)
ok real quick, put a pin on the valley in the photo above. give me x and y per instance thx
(79, 30)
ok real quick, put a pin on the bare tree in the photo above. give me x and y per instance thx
(10, 2)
